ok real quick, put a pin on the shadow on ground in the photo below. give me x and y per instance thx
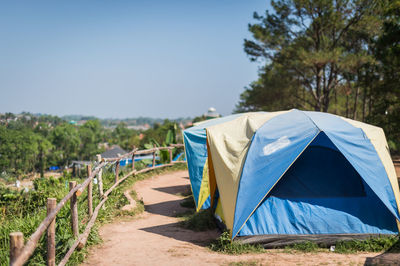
(175, 231)
(171, 209)
(174, 190)
(390, 257)
(166, 208)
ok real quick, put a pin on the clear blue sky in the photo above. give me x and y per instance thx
(124, 58)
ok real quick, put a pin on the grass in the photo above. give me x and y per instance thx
(224, 245)
(306, 246)
(381, 244)
(24, 212)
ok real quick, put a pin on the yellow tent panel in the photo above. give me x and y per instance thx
(228, 152)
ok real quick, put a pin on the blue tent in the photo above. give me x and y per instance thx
(303, 173)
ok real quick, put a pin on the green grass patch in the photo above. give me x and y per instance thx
(306, 246)
(377, 244)
(224, 245)
(380, 244)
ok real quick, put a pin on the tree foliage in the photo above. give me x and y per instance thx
(313, 50)
(35, 144)
(386, 82)
(338, 56)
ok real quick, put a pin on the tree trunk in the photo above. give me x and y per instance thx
(336, 110)
(370, 104)
(364, 102)
(356, 103)
(326, 103)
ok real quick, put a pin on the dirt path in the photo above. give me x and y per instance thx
(155, 238)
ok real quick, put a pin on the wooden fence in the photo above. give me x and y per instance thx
(20, 252)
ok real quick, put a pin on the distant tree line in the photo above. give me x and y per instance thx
(135, 121)
(31, 143)
(337, 56)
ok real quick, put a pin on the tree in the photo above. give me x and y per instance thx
(90, 134)
(274, 90)
(44, 147)
(160, 134)
(313, 51)
(125, 137)
(66, 140)
(20, 150)
(386, 90)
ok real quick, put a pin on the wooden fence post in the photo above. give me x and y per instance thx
(90, 192)
(51, 234)
(100, 177)
(116, 171)
(170, 154)
(74, 210)
(16, 245)
(154, 155)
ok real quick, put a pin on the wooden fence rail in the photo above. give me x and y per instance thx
(20, 253)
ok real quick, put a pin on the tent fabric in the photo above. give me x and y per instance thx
(311, 200)
(275, 146)
(258, 158)
(196, 156)
(212, 181)
(229, 143)
(378, 140)
(359, 151)
(204, 193)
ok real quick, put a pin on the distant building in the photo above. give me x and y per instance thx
(140, 127)
(211, 113)
(114, 152)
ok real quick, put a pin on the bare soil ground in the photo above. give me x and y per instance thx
(156, 238)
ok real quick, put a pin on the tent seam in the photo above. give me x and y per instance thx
(312, 121)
